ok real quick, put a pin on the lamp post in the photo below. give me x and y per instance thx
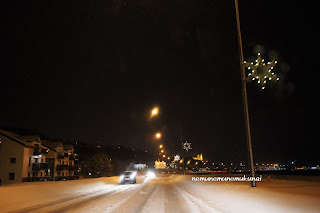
(244, 94)
(154, 112)
(158, 135)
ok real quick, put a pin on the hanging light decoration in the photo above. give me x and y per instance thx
(261, 72)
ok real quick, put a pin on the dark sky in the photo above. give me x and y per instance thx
(92, 70)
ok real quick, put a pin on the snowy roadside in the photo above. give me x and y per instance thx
(20, 196)
(169, 194)
(277, 195)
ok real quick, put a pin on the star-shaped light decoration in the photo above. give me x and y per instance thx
(186, 145)
(261, 72)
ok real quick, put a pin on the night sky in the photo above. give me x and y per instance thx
(92, 70)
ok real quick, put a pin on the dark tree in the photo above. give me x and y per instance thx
(99, 165)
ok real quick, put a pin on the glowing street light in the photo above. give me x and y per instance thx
(158, 135)
(161, 146)
(162, 151)
(154, 111)
(164, 156)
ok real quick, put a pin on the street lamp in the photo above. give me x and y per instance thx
(158, 135)
(244, 93)
(154, 112)
(161, 146)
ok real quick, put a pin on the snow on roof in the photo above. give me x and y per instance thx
(52, 144)
(15, 137)
(67, 146)
(30, 138)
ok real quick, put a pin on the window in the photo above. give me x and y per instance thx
(11, 176)
(41, 160)
(12, 160)
(29, 161)
(41, 174)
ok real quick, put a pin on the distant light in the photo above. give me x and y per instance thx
(158, 135)
(176, 158)
(154, 111)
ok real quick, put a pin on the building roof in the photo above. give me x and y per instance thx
(51, 144)
(68, 146)
(30, 138)
(14, 137)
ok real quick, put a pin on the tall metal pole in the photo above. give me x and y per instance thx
(182, 149)
(244, 94)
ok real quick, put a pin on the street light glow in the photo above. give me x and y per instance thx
(161, 146)
(158, 135)
(154, 111)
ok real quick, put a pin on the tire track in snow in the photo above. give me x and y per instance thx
(78, 204)
(155, 202)
(136, 201)
(37, 208)
(196, 204)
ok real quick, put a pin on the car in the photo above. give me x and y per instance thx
(128, 176)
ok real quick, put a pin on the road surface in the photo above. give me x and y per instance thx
(165, 193)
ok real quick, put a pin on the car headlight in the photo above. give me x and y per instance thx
(150, 175)
(121, 177)
(133, 176)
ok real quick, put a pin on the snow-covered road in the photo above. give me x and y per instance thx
(165, 193)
